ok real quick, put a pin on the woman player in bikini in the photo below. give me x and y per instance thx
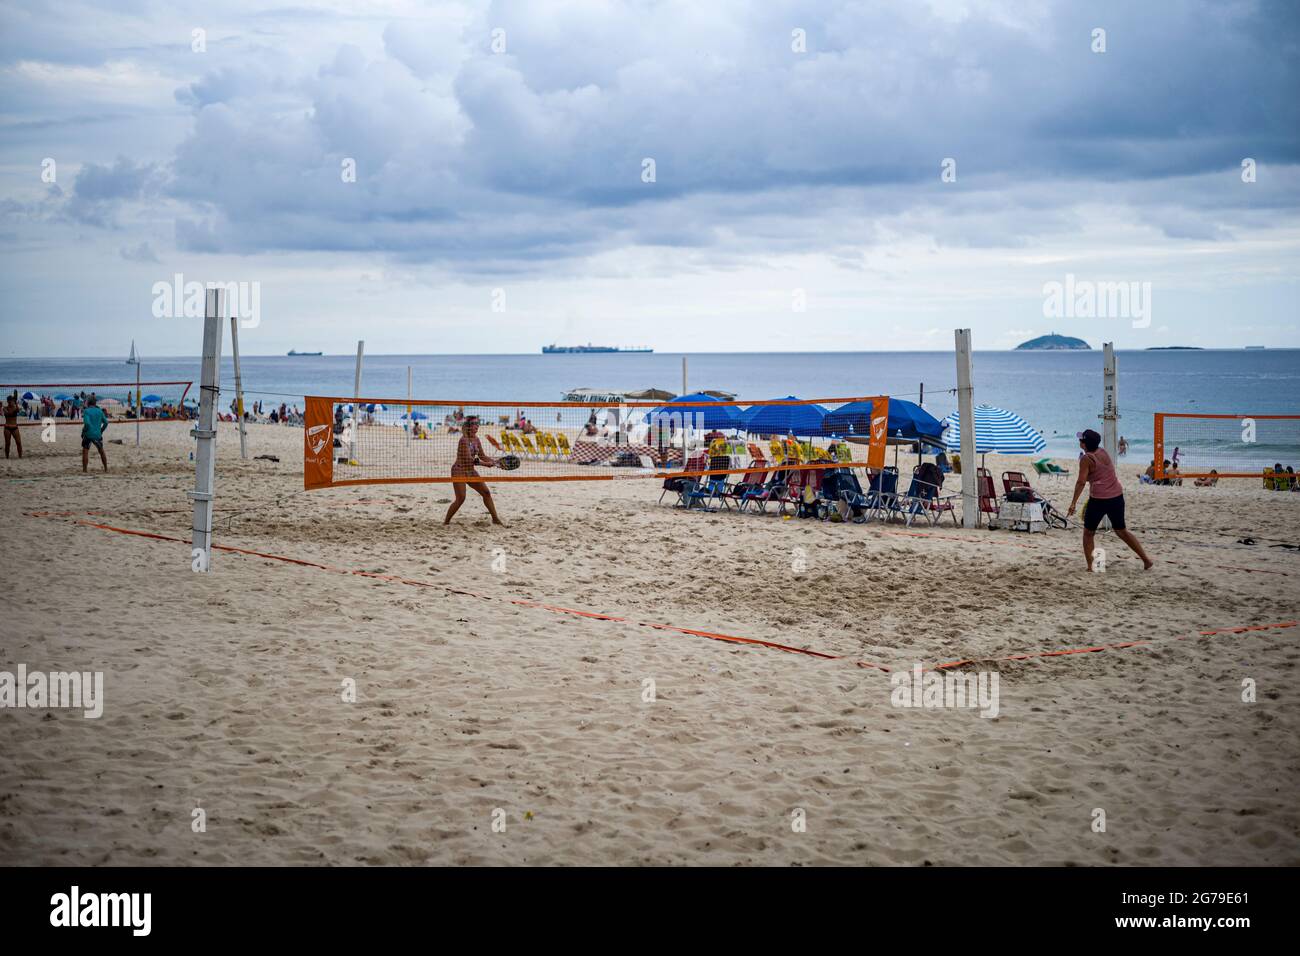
(469, 452)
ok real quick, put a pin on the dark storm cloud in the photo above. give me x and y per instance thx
(535, 154)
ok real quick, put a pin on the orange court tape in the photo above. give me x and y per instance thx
(711, 635)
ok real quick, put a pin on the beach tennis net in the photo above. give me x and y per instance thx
(371, 441)
(1225, 446)
(120, 401)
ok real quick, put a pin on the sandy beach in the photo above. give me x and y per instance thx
(481, 698)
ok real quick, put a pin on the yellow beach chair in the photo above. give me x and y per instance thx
(528, 447)
(563, 441)
(778, 452)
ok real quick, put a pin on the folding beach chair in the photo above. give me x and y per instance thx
(701, 494)
(753, 480)
(988, 496)
(1014, 479)
(882, 493)
(528, 447)
(679, 485)
(924, 500)
(562, 440)
(772, 490)
(778, 452)
(756, 456)
(840, 486)
(1045, 466)
(494, 443)
(792, 494)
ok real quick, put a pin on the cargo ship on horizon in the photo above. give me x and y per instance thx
(553, 349)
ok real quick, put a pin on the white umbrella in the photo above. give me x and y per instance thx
(996, 430)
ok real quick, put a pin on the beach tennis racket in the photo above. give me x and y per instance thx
(508, 462)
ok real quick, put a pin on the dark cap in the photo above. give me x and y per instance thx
(1091, 440)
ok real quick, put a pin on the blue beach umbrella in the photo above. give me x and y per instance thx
(698, 410)
(416, 416)
(62, 397)
(152, 398)
(997, 431)
(803, 420)
(908, 421)
(29, 396)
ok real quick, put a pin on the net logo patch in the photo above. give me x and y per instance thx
(317, 443)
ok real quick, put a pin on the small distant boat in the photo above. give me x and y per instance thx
(568, 349)
(295, 354)
(1254, 347)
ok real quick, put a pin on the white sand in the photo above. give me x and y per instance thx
(224, 690)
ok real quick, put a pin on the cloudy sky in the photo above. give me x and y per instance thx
(501, 197)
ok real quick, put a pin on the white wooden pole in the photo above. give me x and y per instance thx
(966, 415)
(205, 457)
(139, 406)
(239, 385)
(1110, 403)
(356, 402)
(410, 421)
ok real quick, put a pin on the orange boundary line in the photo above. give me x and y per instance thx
(711, 635)
(521, 602)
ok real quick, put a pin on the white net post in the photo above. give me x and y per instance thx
(356, 402)
(966, 412)
(1110, 402)
(206, 432)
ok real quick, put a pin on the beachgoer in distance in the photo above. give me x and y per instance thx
(469, 452)
(1105, 499)
(1123, 446)
(93, 423)
(12, 432)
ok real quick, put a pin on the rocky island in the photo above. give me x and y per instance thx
(1054, 342)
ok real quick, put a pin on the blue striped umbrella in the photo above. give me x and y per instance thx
(997, 431)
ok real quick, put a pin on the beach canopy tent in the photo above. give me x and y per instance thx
(908, 422)
(152, 398)
(805, 420)
(997, 431)
(651, 395)
(703, 410)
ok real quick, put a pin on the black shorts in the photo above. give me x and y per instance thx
(1098, 508)
(87, 442)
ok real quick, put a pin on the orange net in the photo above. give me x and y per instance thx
(1227, 446)
(374, 441)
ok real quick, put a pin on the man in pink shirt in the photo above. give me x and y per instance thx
(1105, 498)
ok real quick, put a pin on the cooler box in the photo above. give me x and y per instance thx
(1019, 516)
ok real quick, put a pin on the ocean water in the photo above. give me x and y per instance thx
(1059, 393)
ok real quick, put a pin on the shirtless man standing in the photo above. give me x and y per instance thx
(12, 431)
